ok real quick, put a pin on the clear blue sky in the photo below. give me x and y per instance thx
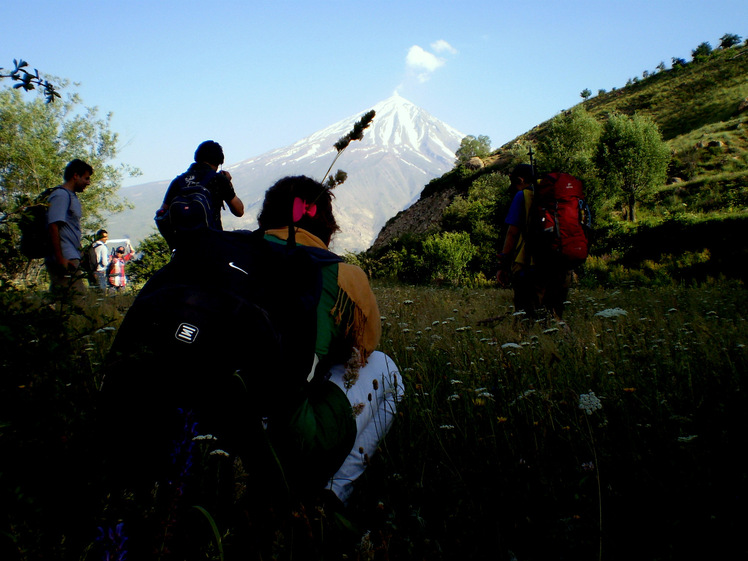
(259, 75)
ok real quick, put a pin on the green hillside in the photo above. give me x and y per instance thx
(701, 109)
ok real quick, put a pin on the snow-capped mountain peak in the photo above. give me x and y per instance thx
(402, 150)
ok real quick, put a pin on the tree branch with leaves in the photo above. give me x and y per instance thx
(29, 81)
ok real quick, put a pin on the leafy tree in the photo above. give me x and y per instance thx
(153, 253)
(586, 93)
(570, 143)
(729, 40)
(702, 52)
(470, 146)
(632, 158)
(480, 215)
(678, 62)
(447, 255)
(37, 140)
(570, 146)
(661, 66)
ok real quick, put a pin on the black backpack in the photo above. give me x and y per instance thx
(89, 259)
(190, 209)
(226, 333)
(34, 229)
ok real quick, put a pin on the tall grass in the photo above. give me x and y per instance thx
(614, 434)
(494, 456)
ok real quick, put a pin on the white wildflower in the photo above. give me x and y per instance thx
(511, 346)
(219, 452)
(612, 312)
(589, 402)
(204, 437)
(453, 397)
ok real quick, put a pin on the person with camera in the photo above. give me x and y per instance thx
(195, 198)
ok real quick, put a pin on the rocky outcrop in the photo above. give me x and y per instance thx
(421, 217)
(474, 163)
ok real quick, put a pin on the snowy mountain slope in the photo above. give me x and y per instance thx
(402, 150)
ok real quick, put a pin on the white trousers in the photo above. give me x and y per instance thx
(374, 398)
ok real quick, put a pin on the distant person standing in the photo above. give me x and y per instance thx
(536, 285)
(102, 259)
(64, 228)
(201, 174)
(117, 276)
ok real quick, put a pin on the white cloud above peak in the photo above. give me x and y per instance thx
(423, 62)
(441, 46)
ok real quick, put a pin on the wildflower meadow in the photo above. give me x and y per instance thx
(614, 434)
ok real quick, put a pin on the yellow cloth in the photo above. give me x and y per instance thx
(522, 259)
(364, 328)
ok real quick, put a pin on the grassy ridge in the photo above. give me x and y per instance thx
(684, 99)
(697, 107)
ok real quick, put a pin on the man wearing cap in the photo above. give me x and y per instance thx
(208, 158)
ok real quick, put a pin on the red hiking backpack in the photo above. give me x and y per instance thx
(559, 222)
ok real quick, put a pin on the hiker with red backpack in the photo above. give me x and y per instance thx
(547, 237)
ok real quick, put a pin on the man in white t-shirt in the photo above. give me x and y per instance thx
(102, 259)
